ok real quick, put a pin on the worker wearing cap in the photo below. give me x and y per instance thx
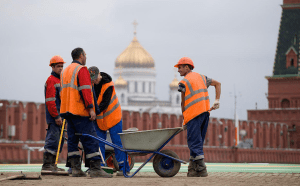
(53, 118)
(195, 109)
(77, 107)
(110, 115)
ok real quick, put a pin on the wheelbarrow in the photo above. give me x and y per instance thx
(166, 163)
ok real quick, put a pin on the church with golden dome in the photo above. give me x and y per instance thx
(135, 82)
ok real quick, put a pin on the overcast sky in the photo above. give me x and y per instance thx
(231, 41)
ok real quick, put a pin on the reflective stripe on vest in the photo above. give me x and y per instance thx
(113, 114)
(111, 111)
(50, 99)
(196, 96)
(72, 82)
(71, 100)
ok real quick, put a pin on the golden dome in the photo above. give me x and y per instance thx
(120, 82)
(134, 56)
(174, 83)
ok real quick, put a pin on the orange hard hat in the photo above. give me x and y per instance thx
(56, 59)
(185, 61)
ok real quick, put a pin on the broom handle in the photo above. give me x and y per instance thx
(61, 134)
(102, 156)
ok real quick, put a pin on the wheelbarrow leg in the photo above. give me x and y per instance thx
(130, 176)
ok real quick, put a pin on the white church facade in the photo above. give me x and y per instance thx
(135, 79)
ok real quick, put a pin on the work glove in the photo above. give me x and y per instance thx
(216, 104)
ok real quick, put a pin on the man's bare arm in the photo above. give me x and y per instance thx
(217, 86)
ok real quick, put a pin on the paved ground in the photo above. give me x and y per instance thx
(219, 174)
(212, 167)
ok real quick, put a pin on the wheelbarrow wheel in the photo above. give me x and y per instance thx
(110, 160)
(131, 162)
(164, 166)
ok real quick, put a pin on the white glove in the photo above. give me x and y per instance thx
(216, 104)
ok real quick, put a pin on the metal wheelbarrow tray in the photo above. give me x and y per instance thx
(147, 140)
(166, 163)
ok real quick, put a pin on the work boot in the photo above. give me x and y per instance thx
(201, 168)
(191, 170)
(55, 166)
(76, 168)
(97, 171)
(47, 162)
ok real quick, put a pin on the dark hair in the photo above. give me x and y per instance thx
(190, 66)
(76, 53)
(54, 64)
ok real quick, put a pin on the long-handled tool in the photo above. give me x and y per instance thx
(59, 144)
(102, 157)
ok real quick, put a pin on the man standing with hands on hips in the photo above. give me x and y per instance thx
(196, 109)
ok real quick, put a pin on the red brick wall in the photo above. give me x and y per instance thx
(291, 129)
(291, 1)
(284, 88)
(264, 134)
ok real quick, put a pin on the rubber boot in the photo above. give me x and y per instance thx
(97, 171)
(201, 168)
(47, 162)
(191, 170)
(76, 168)
(55, 166)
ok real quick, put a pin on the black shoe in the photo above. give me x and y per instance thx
(97, 171)
(191, 170)
(47, 162)
(200, 167)
(76, 168)
(55, 166)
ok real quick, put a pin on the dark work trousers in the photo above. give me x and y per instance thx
(78, 124)
(52, 139)
(196, 131)
(115, 138)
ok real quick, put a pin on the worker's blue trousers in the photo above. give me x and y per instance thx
(52, 139)
(78, 124)
(115, 138)
(196, 131)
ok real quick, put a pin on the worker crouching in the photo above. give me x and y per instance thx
(110, 115)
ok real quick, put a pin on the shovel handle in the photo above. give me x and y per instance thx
(59, 144)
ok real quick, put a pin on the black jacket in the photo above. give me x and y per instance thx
(107, 94)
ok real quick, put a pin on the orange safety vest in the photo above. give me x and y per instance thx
(71, 101)
(196, 96)
(113, 114)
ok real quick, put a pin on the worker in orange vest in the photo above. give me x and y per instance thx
(110, 115)
(78, 108)
(196, 109)
(53, 118)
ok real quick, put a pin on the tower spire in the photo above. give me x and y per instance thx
(134, 25)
